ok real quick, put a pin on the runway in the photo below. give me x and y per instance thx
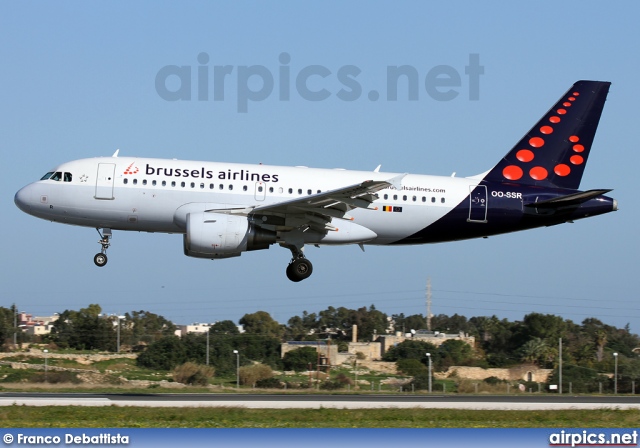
(352, 401)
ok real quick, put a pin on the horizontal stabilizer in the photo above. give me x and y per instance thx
(568, 200)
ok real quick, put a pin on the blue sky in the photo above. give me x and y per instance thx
(79, 80)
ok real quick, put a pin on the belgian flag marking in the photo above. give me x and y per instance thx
(388, 208)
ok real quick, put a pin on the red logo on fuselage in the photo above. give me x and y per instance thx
(132, 169)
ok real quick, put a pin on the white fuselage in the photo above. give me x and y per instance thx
(142, 194)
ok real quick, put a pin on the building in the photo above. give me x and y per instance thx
(433, 337)
(193, 328)
(36, 326)
(200, 328)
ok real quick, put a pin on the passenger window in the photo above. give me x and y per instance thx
(433, 200)
(202, 186)
(164, 183)
(230, 187)
(135, 181)
(442, 200)
(244, 188)
(424, 199)
(386, 196)
(260, 189)
(126, 181)
(144, 182)
(299, 190)
(290, 190)
(183, 184)
(210, 186)
(414, 199)
(47, 176)
(270, 189)
(319, 191)
(193, 184)
(221, 187)
(309, 191)
(154, 183)
(173, 183)
(404, 198)
(67, 177)
(395, 197)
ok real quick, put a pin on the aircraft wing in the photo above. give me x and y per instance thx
(316, 210)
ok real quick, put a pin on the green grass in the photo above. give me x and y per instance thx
(132, 417)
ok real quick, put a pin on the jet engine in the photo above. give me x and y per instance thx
(216, 235)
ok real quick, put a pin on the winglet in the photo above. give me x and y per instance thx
(115, 154)
(377, 170)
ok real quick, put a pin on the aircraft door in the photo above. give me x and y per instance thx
(261, 191)
(105, 180)
(478, 204)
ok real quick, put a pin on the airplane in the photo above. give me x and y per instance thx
(225, 209)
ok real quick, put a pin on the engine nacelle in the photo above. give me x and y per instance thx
(216, 235)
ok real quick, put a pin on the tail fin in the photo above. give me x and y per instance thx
(555, 151)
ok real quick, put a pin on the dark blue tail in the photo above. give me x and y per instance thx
(555, 151)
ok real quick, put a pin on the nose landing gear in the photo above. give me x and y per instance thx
(101, 259)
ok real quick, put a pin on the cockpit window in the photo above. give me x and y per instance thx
(67, 177)
(57, 176)
(47, 176)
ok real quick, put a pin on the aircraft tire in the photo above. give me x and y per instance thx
(290, 274)
(299, 269)
(100, 259)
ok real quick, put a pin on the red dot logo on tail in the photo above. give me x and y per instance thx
(562, 170)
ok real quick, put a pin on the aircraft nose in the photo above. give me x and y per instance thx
(24, 198)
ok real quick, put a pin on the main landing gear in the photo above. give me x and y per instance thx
(299, 268)
(101, 259)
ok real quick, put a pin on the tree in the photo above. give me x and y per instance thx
(454, 352)
(452, 324)
(250, 375)
(543, 326)
(85, 329)
(302, 328)
(413, 349)
(301, 359)
(164, 354)
(224, 327)
(601, 341)
(537, 351)
(7, 328)
(144, 326)
(261, 323)
(369, 321)
(408, 323)
(411, 367)
(336, 320)
(340, 322)
(496, 339)
(193, 374)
